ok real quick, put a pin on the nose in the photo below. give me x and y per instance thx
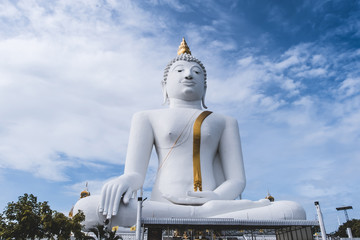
(188, 75)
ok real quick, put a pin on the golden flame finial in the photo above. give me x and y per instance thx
(183, 48)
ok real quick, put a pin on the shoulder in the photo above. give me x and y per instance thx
(227, 123)
(147, 115)
(228, 120)
(140, 117)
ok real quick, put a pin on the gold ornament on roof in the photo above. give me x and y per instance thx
(85, 193)
(183, 48)
(71, 213)
(271, 198)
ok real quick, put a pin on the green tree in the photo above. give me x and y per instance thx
(46, 220)
(76, 226)
(61, 226)
(354, 224)
(2, 224)
(29, 219)
(22, 219)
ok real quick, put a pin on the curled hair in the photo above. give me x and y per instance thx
(183, 57)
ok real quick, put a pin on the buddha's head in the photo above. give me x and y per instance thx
(184, 77)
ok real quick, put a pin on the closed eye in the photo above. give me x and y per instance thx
(180, 70)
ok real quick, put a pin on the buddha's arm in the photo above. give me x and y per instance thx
(138, 154)
(141, 142)
(232, 162)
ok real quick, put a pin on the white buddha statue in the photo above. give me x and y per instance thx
(201, 170)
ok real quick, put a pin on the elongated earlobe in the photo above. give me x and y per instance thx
(165, 95)
(203, 99)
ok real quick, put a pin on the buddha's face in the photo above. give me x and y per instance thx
(185, 81)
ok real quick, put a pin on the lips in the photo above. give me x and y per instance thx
(188, 83)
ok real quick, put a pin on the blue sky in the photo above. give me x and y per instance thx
(72, 73)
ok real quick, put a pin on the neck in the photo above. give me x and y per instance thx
(178, 103)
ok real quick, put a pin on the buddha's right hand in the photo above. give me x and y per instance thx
(113, 192)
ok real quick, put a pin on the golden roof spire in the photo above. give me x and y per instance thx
(271, 198)
(183, 48)
(86, 192)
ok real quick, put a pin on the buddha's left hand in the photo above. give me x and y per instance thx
(193, 198)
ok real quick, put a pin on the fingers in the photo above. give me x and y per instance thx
(103, 198)
(198, 201)
(197, 194)
(117, 201)
(127, 195)
(112, 202)
(210, 195)
(107, 200)
(111, 195)
(119, 193)
(185, 200)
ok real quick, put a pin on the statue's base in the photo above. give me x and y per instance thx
(227, 228)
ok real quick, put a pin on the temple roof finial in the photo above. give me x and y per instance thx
(183, 48)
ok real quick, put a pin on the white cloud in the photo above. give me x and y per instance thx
(298, 115)
(305, 102)
(245, 62)
(318, 59)
(223, 46)
(311, 73)
(7, 10)
(349, 87)
(73, 92)
(292, 60)
(176, 5)
(291, 86)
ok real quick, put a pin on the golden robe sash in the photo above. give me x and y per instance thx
(196, 150)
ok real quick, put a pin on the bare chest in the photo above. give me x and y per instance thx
(172, 129)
